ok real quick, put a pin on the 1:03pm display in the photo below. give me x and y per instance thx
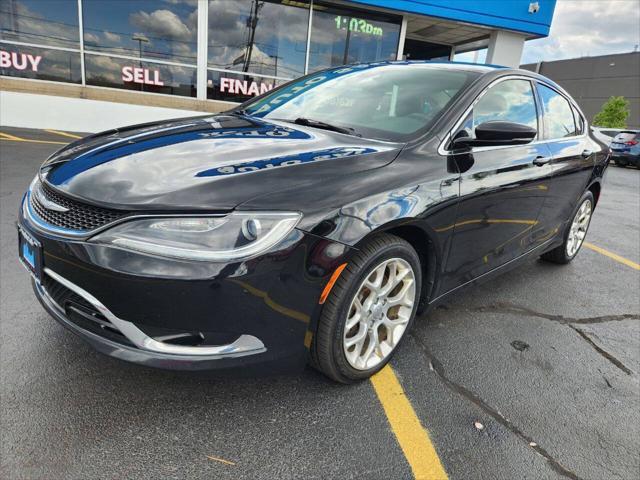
(357, 25)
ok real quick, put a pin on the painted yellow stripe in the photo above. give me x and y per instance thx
(12, 138)
(412, 436)
(9, 137)
(221, 460)
(612, 255)
(64, 134)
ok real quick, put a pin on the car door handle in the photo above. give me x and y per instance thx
(586, 153)
(541, 161)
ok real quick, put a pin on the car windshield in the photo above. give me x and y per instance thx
(390, 102)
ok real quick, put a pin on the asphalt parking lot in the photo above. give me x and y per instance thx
(534, 375)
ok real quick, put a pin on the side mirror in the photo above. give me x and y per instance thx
(497, 133)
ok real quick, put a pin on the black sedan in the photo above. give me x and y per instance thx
(311, 223)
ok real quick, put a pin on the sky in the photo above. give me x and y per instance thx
(583, 28)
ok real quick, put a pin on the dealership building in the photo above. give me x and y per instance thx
(112, 62)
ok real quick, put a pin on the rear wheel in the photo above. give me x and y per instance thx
(575, 234)
(369, 310)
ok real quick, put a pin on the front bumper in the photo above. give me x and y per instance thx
(145, 350)
(260, 312)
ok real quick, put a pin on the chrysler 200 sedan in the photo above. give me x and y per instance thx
(312, 223)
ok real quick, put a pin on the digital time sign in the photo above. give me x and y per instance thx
(357, 25)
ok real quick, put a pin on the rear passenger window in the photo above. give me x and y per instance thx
(511, 101)
(558, 116)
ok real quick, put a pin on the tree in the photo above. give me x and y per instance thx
(614, 113)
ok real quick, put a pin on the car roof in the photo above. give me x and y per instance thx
(481, 68)
(477, 67)
(474, 67)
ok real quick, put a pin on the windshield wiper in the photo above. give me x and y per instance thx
(326, 126)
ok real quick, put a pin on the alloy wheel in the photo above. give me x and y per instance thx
(579, 228)
(379, 313)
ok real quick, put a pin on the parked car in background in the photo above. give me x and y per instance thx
(605, 135)
(625, 148)
(310, 223)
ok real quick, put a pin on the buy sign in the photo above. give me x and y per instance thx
(19, 61)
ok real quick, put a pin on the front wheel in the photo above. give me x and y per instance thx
(575, 233)
(369, 310)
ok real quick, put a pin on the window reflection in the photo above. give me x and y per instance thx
(558, 117)
(340, 36)
(266, 37)
(51, 22)
(142, 76)
(40, 63)
(511, 101)
(142, 28)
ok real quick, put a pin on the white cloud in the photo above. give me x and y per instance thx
(162, 23)
(91, 38)
(588, 28)
(106, 68)
(112, 37)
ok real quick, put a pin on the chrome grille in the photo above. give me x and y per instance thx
(79, 216)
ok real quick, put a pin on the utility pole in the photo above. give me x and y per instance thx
(140, 38)
(252, 23)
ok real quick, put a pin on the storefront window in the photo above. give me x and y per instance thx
(52, 22)
(142, 28)
(143, 76)
(40, 63)
(237, 87)
(152, 45)
(340, 36)
(266, 37)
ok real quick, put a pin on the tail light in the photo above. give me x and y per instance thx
(631, 142)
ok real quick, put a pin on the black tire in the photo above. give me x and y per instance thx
(327, 349)
(559, 254)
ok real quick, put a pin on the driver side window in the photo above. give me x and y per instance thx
(511, 101)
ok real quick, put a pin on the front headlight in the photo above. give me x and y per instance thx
(237, 236)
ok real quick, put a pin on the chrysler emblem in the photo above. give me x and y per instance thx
(48, 204)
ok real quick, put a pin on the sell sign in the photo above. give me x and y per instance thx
(141, 75)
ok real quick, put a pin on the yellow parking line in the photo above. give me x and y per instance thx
(412, 436)
(612, 255)
(221, 460)
(12, 138)
(64, 134)
(9, 137)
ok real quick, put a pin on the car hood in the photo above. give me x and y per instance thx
(206, 163)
